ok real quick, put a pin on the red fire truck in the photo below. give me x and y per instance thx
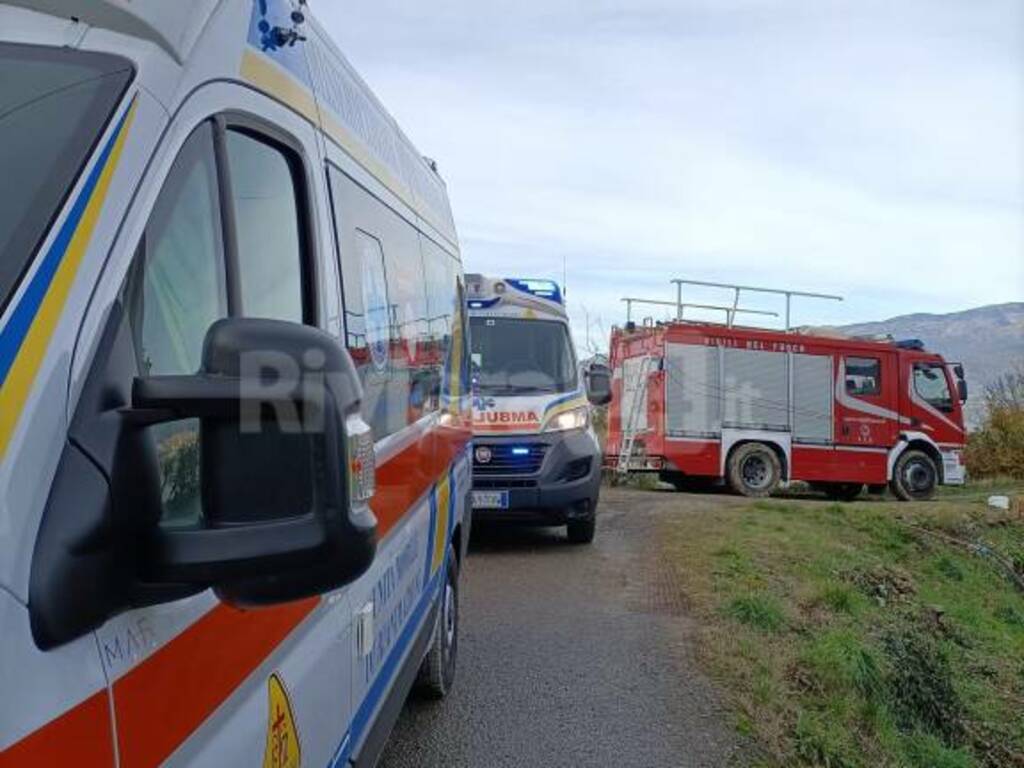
(759, 408)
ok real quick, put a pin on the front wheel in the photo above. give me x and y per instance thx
(581, 531)
(437, 672)
(914, 477)
(754, 470)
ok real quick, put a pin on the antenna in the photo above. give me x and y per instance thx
(564, 291)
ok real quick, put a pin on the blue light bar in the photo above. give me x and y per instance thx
(543, 289)
(520, 451)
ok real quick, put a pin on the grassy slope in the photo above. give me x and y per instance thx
(846, 636)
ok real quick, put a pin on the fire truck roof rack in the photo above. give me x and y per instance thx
(730, 311)
(737, 289)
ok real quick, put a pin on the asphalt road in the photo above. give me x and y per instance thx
(571, 656)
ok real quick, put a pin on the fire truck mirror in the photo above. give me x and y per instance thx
(599, 384)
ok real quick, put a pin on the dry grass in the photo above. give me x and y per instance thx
(866, 634)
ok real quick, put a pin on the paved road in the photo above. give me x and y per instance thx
(571, 656)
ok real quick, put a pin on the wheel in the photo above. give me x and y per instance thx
(581, 531)
(754, 470)
(914, 477)
(842, 491)
(437, 672)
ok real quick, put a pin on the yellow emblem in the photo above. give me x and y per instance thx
(283, 750)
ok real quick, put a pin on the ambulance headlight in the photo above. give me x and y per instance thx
(577, 418)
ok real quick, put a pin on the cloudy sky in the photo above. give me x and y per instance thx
(869, 148)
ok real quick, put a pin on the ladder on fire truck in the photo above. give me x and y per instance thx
(631, 428)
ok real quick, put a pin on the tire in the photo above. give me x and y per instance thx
(437, 671)
(842, 491)
(581, 531)
(914, 477)
(754, 470)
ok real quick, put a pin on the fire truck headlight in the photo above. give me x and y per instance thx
(577, 418)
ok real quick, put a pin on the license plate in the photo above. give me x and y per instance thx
(490, 499)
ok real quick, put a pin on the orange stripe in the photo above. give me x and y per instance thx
(408, 475)
(163, 700)
(81, 736)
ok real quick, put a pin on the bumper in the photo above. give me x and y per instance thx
(953, 467)
(565, 487)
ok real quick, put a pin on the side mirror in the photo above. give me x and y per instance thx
(286, 465)
(961, 389)
(598, 380)
(285, 474)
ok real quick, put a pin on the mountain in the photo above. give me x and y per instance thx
(987, 340)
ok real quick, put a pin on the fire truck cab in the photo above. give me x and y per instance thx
(759, 408)
(536, 458)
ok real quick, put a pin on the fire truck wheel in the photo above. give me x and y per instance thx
(914, 477)
(437, 672)
(754, 470)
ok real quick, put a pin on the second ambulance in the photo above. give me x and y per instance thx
(536, 458)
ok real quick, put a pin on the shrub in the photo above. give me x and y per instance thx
(997, 449)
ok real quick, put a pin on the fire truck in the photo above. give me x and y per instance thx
(758, 408)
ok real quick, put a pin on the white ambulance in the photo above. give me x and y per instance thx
(235, 424)
(536, 457)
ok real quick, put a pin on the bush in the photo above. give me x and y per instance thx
(997, 449)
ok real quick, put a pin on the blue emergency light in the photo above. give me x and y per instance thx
(543, 289)
(520, 451)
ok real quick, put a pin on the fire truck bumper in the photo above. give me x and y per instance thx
(563, 485)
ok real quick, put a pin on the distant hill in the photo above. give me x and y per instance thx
(987, 340)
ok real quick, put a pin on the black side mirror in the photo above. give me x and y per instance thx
(283, 517)
(961, 389)
(286, 470)
(598, 378)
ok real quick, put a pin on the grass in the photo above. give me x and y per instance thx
(864, 634)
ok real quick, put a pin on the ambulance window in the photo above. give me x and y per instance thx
(412, 371)
(175, 292)
(177, 288)
(443, 301)
(266, 211)
(863, 376)
(54, 103)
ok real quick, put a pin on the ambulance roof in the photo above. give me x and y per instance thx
(514, 297)
(345, 107)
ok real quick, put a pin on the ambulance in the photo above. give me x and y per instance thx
(536, 457)
(235, 421)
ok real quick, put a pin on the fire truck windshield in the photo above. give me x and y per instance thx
(521, 357)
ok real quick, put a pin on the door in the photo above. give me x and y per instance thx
(196, 681)
(866, 399)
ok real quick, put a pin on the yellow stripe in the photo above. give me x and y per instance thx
(563, 407)
(16, 387)
(443, 497)
(277, 82)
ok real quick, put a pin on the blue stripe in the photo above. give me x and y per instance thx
(368, 708)
(14, 332)
(560, 400)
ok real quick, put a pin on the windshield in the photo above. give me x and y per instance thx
(931, 384)
(512, 357)
(54, 103)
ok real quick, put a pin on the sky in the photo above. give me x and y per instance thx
(867, 148)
